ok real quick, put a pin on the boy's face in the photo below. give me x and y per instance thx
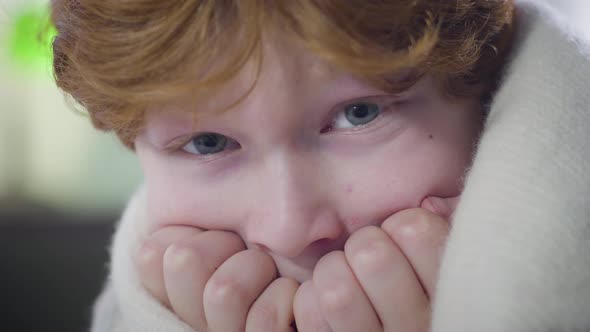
(310, 156)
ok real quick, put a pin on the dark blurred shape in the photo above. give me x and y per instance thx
(52, 267)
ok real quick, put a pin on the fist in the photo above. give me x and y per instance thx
(384, 280)
(213, 283)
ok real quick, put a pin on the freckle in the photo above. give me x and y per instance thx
(349, 189)
(430, 136)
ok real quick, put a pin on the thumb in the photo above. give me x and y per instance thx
(443, 207)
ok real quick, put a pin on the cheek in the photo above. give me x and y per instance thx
(177, 197)
(446, 139)
(391, 186)
(402, 175)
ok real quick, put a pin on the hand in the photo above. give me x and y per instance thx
(443, 207)
(213, 283)
(384, 280)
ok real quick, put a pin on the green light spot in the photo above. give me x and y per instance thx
(30, 39)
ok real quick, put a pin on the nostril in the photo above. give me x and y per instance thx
(325, 245)
(288, 238)
(321, 242)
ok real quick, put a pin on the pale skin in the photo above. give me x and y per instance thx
(327, 204)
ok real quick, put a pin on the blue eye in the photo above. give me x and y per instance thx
(209, 143)
(355, 115)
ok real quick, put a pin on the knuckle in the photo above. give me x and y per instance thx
(406, 220)
(371, 257)
(337, 297)
(179, 258)
(369, 252)
(416, 214)
(222, 291)
(148, 256)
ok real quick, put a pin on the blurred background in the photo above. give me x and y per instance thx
(49, 154)
(63, 184)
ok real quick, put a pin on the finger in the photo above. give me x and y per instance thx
(273, 310)
(307, 311)
(388, 280)
(149, 258)
(189, 264)
(234, 287)
(343, 302)
(421, 235)
(444, 207)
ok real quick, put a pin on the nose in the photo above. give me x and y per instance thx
(296, 211)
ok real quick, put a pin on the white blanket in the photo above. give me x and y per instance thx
(518, 257)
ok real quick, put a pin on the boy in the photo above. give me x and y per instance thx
(281, 142)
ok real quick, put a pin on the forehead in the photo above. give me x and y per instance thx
(282, 62)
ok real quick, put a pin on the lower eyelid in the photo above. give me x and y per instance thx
(201, 158)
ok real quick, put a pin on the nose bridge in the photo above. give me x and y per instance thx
(295, 189)
(291, 189)
(297, 212)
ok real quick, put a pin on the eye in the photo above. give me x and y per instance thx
(357, 114)
(210, 143)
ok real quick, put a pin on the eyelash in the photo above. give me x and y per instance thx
(177, 148)
(386, 108)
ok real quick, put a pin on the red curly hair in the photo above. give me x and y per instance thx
(117, 57)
